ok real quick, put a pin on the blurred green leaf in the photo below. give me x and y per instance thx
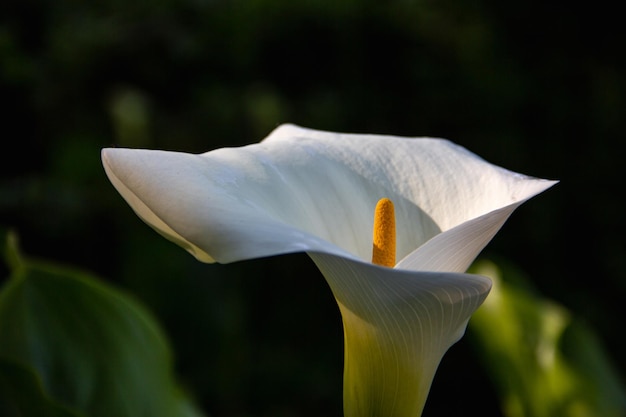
(21, 394)
(542, 360)
(94, 348)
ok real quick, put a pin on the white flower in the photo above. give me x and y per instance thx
(303, 190)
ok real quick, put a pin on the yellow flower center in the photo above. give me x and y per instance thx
(384, 234)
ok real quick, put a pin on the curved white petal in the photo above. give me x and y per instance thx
(302, 190)
(397, 327)
(454, 250)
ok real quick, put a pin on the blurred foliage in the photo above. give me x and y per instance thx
(542, 359)
(67, 339)
(21, 394)
(535, 87)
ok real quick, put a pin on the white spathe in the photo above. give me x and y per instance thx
(302, 190)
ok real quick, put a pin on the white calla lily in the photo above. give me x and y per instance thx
(302, 190)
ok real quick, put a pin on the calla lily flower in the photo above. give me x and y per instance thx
(303, 190)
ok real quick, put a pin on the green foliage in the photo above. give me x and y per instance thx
(66, 339)
(543, 360)
(21, 394)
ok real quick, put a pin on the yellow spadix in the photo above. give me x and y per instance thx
(384, 234)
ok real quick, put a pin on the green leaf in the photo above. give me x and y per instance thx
(542, 360)
(94, 348)
(21, 394)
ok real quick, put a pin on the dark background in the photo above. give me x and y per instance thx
(536, 87)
